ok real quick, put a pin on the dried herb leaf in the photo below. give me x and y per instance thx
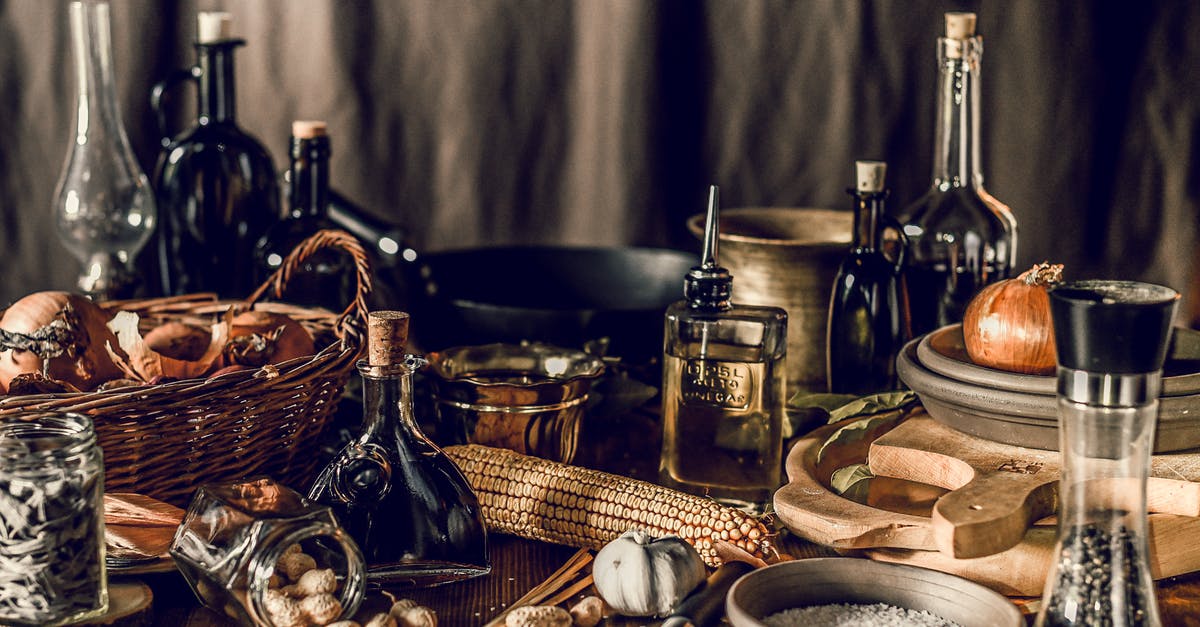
(859, 430)
(827, 402)
(874, 404)
(852, 482)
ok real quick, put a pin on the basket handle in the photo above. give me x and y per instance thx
(328, 238)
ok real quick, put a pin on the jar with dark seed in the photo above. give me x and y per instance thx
(51, 520)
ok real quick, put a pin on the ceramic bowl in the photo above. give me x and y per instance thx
(1022, 418)
(830, 580)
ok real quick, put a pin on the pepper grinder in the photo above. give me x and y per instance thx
(1112, 339)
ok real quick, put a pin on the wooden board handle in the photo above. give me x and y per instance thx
(991, 513)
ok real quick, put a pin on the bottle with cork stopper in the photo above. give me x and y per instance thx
(326, 279)
(403, 501)
(216, 183)
(961, 238)
(868, 310)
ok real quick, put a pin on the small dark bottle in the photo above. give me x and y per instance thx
(868, 311)
(404, 502)
(961, 238)
(326, 279)
(215, 183)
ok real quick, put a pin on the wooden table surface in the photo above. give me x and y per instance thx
(626, 443)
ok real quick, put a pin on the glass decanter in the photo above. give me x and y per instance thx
(397, 494)
(216, 182)
(868, 311)
(723, 387)
(960, 237)
(104, 206)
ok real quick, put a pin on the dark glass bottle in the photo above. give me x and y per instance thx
(326, 279)
(215, 183)
(960, 237)
(404, 502)
(868, 311)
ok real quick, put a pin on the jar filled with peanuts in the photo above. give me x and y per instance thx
(262, 554)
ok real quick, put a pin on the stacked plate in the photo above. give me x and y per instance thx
(1022, 409)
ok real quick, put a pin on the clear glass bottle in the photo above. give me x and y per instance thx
(216, 182)
(232, 543)
(868, 310)
(960, 237)
(1111, 338)
(407, 505)
(104, 206)
(51, 520)
(723, 387)
(325, 279)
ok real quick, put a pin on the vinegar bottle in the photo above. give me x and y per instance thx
(215, 182)
(868, 311)
(407, 506)
(723, 387)
(960, 237)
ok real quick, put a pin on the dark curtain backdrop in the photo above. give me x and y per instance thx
(477, 122)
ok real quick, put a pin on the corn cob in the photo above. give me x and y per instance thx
(545, 500)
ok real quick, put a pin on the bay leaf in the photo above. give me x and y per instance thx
(873, 404)
(852, 482)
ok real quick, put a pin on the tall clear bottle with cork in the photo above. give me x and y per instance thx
(961, 238)
(403, 501)
(723, 387)
(215, 182)
(868, 310)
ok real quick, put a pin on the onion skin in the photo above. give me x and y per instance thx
(88, 368)
(1007, 325)
(285, 338)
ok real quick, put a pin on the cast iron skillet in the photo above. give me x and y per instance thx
(561, 295)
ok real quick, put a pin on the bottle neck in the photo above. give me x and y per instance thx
(97, 114)
(310, 177)
(868, 207)
(217, 86)
(387, 398)
(956, 160)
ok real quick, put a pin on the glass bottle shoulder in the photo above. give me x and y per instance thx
(957, 210)
(749, 332)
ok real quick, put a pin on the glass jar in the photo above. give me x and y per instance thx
(51, 520)
(234, 544)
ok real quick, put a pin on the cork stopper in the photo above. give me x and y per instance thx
(960, 25)
(387, 333)
(870, 176)
(213, 26)
(308, 129)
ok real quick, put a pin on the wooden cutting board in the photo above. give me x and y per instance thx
(896, 523)
(997, 491)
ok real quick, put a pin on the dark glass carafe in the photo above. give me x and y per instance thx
(960, 237)
(215, 183)
(404, 502)
(325, 279)
(868, 311)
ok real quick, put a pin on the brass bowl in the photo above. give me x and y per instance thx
(525, 397)
(787, 257)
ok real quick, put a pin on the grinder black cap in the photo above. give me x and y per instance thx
(1118, 327)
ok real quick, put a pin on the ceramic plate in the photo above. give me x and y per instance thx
(944, 352)
(1022, 418)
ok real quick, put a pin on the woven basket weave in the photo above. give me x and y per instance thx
(166, 440)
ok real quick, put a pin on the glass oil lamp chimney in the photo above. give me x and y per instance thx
(1112, 339)
(723, 386)
(104, 207)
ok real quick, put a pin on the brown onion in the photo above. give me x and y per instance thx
(85, 365)
(1007, 325)
(262, 337)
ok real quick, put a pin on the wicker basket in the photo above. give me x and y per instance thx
(166, 440)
